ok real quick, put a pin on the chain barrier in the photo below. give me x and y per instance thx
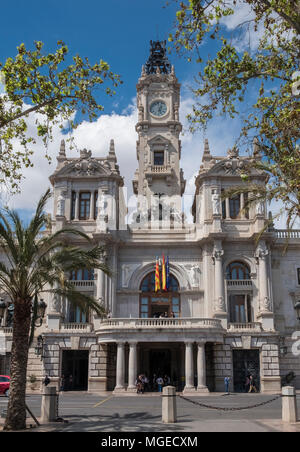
(59, 418)
(203, 405)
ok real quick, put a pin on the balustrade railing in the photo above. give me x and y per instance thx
(251, 326)
(239, 282)
(287, 234)
(161, 323)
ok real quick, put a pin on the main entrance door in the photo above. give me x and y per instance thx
(245, 363)
(75, 364)
(160, 362)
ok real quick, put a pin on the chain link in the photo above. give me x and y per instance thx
(203, 405)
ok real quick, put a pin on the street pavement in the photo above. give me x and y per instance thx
(87, 412)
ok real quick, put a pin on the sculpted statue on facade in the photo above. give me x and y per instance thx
(60, 211)
(216, 204)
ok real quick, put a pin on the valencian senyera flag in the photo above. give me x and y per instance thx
(167, 274)
(163, 275)
(157, 278)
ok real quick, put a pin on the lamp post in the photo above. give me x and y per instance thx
(41, 309)
(297, 308)
(39, 348)
(3, 306)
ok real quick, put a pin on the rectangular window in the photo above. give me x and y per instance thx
(298, 275)
(96, 205)
(73, 205)
(240, 309)
(234, 207)
(76, 315)
(84, 205)
(159, 158)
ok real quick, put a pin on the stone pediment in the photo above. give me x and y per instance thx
(85, 166)
(232, 166)
(158, 139)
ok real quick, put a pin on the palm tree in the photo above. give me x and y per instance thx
(34, 263)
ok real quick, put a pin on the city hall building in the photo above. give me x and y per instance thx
(230, 307)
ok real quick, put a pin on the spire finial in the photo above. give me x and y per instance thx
(206, 154)
(112, 153)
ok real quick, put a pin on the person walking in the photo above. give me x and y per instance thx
(252, 384)
(46, 380)
(139, 385)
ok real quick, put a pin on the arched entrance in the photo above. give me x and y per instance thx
(161, 303)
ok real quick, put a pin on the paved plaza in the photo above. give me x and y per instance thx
(142, 413)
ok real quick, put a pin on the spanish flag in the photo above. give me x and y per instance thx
(157, 278)
(163, 275)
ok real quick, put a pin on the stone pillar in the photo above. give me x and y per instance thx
(120, 374)
(227, 208)
(132, 367)
(77, 205)
(189, 368)
(219, 304)
(201, 368)
(243, 216)
(92, 205)
(265, 305)
(49, 404)
(169, 414)
(289, 404)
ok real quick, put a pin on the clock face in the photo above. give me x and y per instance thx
(158, 108)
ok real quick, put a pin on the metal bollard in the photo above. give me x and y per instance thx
(289, 404)
(49, 404)
(169, 414)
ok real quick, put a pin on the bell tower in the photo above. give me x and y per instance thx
(158, 147)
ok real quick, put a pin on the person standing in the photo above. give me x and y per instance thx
(226, 382)
(160, 383)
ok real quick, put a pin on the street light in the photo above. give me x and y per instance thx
(39, 348)
(3, 306)
(297, 308)
(41, 309)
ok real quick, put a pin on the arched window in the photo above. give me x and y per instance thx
(237, 270)
(157, 304)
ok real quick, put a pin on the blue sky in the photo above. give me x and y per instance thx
(119, 32)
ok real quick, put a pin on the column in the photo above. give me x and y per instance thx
(201, 368)
(120, 373)
(242, 205)
(265, 304)
(265, 314)
(92, 205)
(219, 280)
(132, 367)
(77, 205)
(227, 208)
(189, 367)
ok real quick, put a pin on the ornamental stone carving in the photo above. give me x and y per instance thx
(216, 204)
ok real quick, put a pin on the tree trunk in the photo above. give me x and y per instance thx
(16, 412)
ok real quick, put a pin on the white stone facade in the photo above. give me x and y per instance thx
(225, 317)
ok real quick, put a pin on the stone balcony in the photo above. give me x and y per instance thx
(238, 284)
(83, 285)
(76, 327)
(160, 330)
(254, 327)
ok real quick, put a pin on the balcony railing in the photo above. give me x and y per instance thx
(150, 323)
(288, 234)
(246, 283)
(83, 284)
(76, 327)
(240, 327)
(7, 330)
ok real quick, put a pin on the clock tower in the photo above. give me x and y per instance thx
(159, 178)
